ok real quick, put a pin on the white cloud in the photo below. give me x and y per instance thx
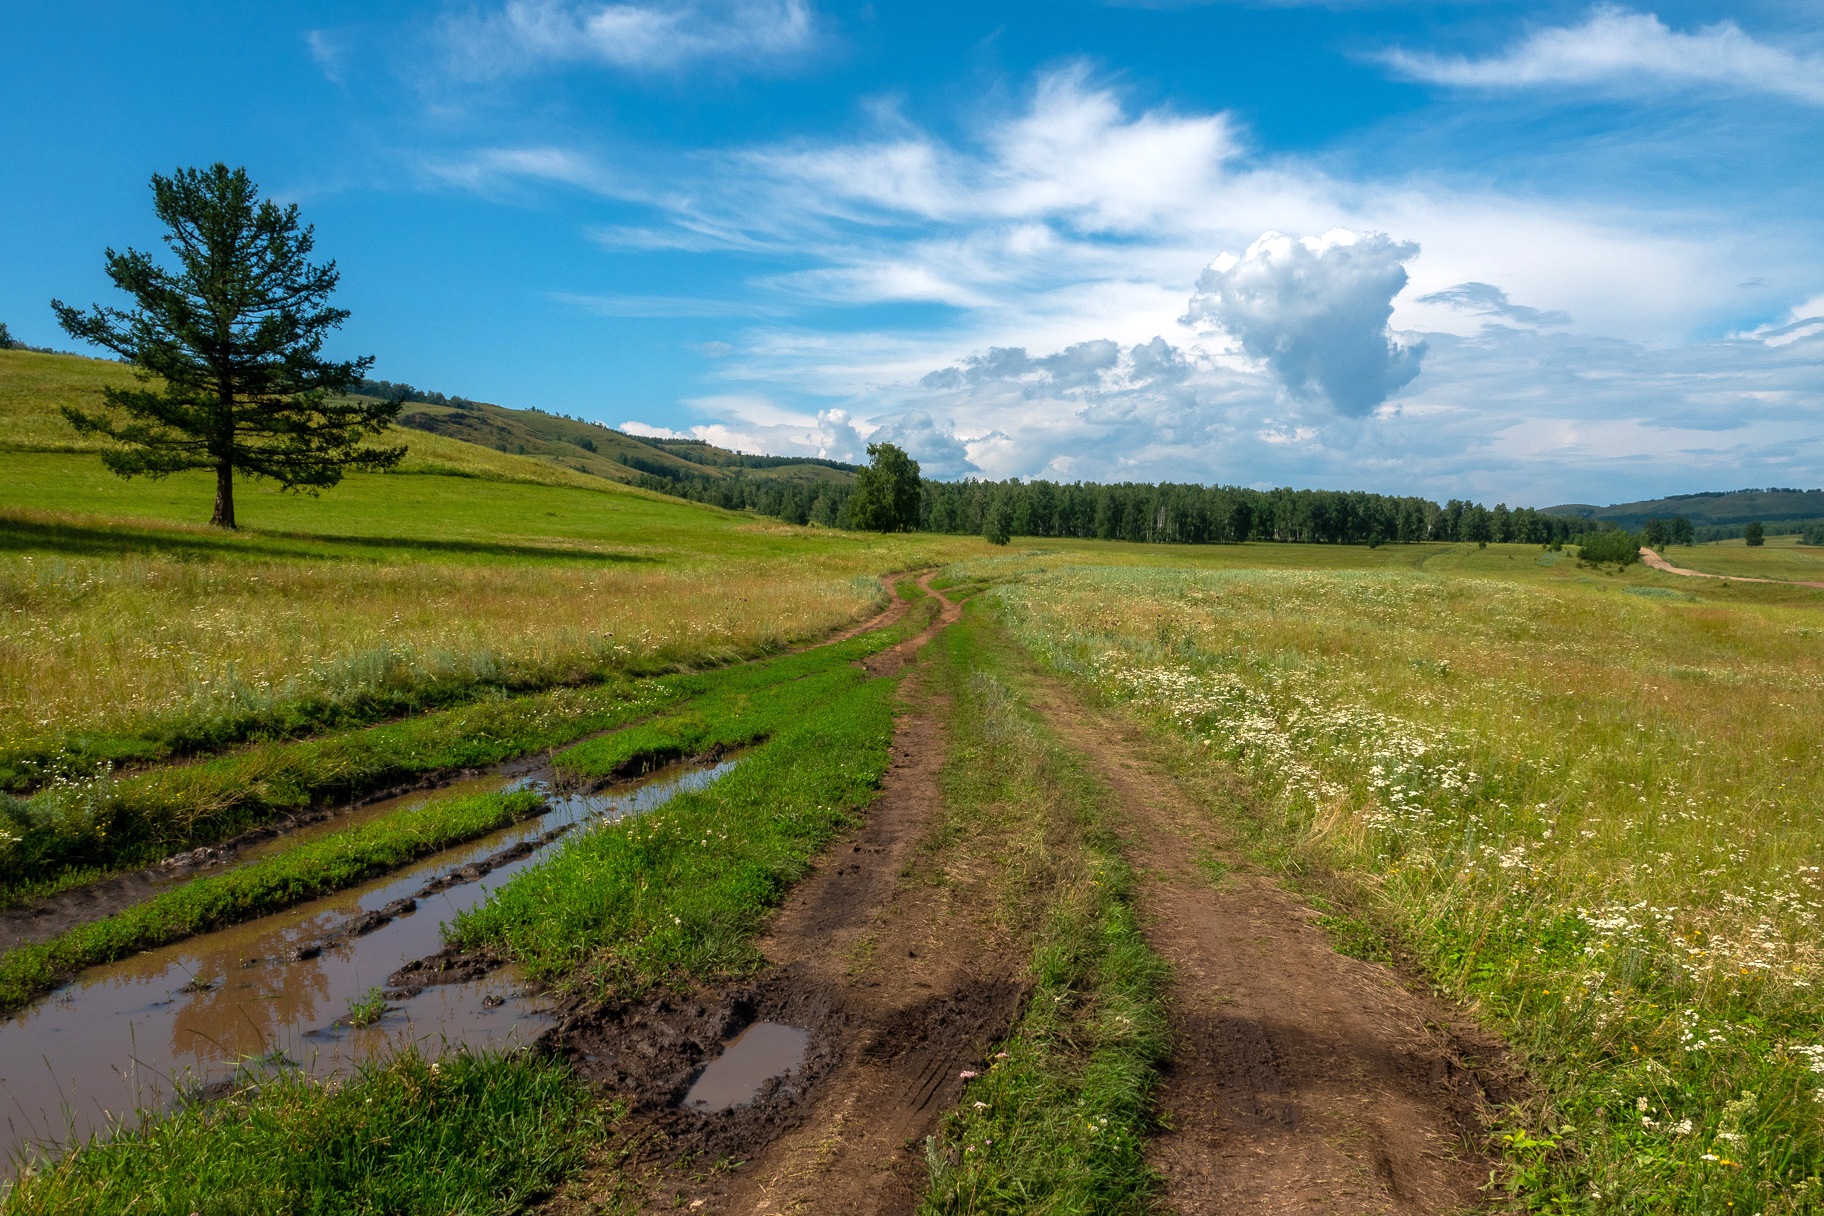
(1803, 321)
(490, 170)
(1530, 416)
(608, 305)
(654, 36)
(1622, 50)
(763, 427)
(934, 445)
(1055, 251)
(1315, 310)
(1485, 299)
(330, 51)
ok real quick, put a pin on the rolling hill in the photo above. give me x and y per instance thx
(590, 447)
(1715, 509)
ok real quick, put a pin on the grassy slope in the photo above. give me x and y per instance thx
(554, 440)
(130, 618)
(1735, 508)
(1582, 801)
(34, 387)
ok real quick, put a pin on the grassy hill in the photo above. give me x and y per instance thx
(600, 451)
(123, 618)
(1716, 509)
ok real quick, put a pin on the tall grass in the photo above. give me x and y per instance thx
(1588, 812)
(136, 658)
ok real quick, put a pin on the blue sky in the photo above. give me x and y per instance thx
(1537, 252)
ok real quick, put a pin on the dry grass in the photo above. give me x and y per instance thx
(89, 643)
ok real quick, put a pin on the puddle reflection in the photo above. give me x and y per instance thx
(752, 1058)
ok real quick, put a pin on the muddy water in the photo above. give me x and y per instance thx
(748, 1061)
(132, 1035)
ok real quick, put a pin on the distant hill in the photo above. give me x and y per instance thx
(590, 447)
(1715, 509)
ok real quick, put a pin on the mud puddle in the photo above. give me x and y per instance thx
(134, 1035)
(759, 1054)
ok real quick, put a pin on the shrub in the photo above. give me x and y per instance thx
(1611, 546)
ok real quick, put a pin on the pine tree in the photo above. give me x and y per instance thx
(229, 346)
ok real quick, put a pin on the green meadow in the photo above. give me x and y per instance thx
(1581, 802)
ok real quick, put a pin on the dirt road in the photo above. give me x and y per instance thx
(903, 984)
(1301, 1080)
(1659, 563)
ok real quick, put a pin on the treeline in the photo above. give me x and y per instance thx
(8, 342)
(394, 390)
(1155, 514)
(699, 451)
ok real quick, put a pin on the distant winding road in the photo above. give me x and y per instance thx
(1659, 563)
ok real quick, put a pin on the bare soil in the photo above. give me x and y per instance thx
(1659, 563)
(1301, 1081)
(902, 983)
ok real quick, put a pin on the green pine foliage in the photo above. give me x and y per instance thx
(230, 348)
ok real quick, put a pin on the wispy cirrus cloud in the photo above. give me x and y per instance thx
(1485, 299)
(641, 37)
(1617, 49)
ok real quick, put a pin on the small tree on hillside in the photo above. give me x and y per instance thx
(1754, 535)
(7, 341)
(887, 492)
(230, 348)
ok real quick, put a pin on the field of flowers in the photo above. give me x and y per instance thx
(1588, 806)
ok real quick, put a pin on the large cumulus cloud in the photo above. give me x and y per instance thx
(1315, 310)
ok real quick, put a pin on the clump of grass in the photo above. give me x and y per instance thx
(478, 1134)
(1058, 1120)
(282, 880)
(366, 1009)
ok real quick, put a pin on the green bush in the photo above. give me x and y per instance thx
(1612, 547)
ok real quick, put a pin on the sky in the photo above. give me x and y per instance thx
(1533, 253)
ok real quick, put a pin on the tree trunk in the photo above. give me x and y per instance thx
(224, 495)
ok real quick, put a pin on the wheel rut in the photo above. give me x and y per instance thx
(903, 984)
(1301, 1081)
